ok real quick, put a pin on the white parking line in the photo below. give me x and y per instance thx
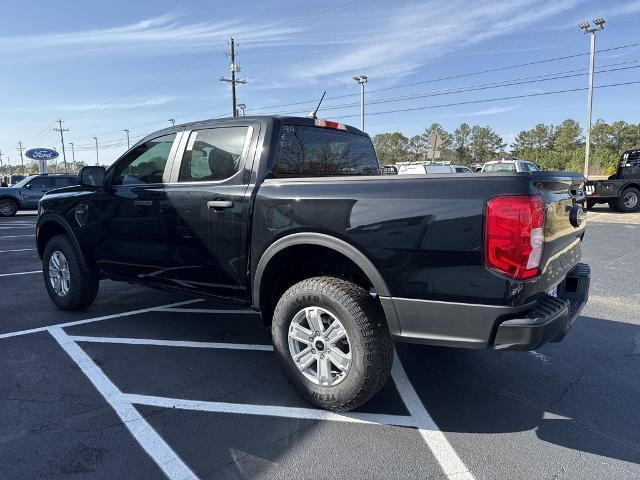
(95, 319)
(19, 273)
(152, 443)
(18, 250)
(271, 410)
(174, 343)
(16, 236)
(452, 466)
(207, 310)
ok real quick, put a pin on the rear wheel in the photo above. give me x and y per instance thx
(68, 285)
(333, 341)
(8, 207)
(629, 200)
(612, 204)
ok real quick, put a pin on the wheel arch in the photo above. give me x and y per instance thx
(12, 198)
(56, 225)
(267, 268)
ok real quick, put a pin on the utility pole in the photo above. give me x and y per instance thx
(361, 79)
(173, 122)
(127, 132)
(233, 81)
(586, 28)
(241, 107)
(73, 157)
(20, 149)
(97, 159)
(64, 155)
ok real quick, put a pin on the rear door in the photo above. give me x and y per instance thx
(132, 238)
(205, 209)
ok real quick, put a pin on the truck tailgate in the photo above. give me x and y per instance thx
(565, 222)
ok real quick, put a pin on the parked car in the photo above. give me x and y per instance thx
(25, 194)
(513, 164)
(622, 189)
(292, 217)
(422, 168)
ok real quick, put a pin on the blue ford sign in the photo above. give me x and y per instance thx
(41, 154)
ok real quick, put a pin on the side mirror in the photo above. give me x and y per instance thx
(91, 176)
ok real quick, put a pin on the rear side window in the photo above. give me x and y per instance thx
(312, 151)
(213, 154)
(59, 182)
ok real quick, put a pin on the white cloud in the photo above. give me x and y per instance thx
(485, 112)
(164, 33)
(402, 43)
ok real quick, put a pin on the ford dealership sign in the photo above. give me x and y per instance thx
(41, 154)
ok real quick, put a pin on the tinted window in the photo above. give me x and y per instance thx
(312, 151)
(145, 163)
(463, 170)
(532, 167)
(212, 154)
(59, 182)
(40, 182)
(499, 167)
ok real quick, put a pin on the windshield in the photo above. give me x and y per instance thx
(500, 167)
(23, 182)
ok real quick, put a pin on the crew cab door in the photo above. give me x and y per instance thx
(132, 238)
(206, 210)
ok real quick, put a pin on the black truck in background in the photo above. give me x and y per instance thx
(621, 190)
(291, 216)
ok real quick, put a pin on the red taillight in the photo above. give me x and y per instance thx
(329, 124)
(513, 235)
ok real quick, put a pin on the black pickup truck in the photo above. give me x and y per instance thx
(621, 190)
(291, 217)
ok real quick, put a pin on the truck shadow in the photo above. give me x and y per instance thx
(580, 394)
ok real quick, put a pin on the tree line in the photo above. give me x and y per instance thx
(553, 147)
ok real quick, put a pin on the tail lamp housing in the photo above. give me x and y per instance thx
(514, 235)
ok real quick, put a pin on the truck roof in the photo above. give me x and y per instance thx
(271, 119)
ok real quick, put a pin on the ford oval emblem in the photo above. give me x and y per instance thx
(576, 216)
(41, 154)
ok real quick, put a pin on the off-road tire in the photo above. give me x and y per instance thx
(370, 342)
(8, 207)
(83, 285)
(620, 201)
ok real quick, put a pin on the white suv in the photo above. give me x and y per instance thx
(509, 165)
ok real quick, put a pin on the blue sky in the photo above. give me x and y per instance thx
(106, 66)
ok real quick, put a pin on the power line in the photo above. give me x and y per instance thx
(472, 88)
(453, 77)
(512, 97)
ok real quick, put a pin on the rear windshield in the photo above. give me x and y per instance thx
(313, 151)
(499, 167)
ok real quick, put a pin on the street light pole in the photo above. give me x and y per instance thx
(73, 157)
(127, 132)
(592, 61)
(64, 155)
(361, 79)
(173, 122)
(97, 159)
(241, 107)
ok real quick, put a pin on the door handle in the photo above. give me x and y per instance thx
(216, 204)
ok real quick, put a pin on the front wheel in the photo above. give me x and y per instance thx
(629, 200)
(333, 341)
(8, 207)
(68, 285)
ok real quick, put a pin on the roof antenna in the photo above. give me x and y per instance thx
(313, 114)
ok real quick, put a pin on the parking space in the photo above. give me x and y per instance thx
(150, 384)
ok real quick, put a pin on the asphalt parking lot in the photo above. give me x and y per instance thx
(150, 384)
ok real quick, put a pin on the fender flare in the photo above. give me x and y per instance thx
(323, 240)
(57, 219)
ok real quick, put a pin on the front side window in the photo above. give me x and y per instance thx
(213, 154)
(40, 182)
(312, 151)
(145, 163)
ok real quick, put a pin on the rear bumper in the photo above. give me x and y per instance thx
(486, 326)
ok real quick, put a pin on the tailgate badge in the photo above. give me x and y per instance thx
(576, 216)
